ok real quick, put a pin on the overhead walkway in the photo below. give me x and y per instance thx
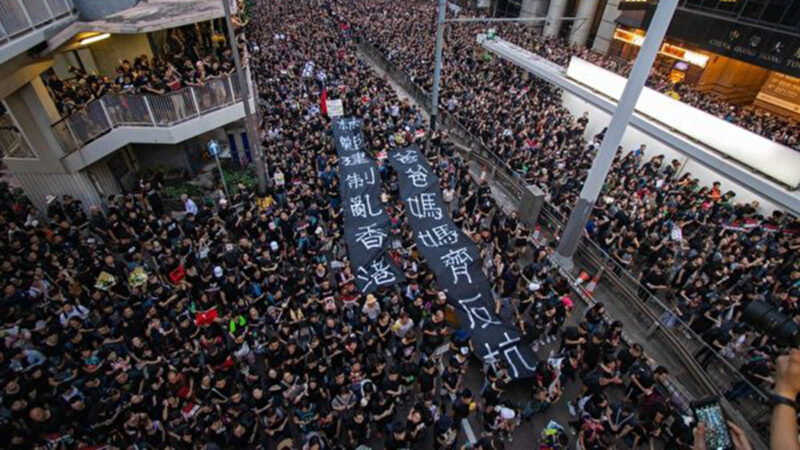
(768, 169)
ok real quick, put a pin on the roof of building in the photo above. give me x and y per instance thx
(145, 17)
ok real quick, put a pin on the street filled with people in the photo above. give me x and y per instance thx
(405, 32)
(236, 321)
(694, 246)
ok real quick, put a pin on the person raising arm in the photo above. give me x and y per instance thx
(783, 429)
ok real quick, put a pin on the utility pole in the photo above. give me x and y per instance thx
(249, 119)
(619, 122)
(437, 68)
(214, 149)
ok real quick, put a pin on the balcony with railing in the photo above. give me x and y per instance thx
(20, 19)
(145, 110)
(118, 119)
(11, 143)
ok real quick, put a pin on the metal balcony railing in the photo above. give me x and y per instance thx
(10, 139)
(18, 17)
(145, 110)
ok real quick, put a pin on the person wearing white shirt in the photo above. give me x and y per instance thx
(449, 196)
(69, 311)
(189, 205)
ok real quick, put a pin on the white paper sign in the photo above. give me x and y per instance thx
(335, 108)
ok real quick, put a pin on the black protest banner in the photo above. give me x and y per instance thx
(366, 224)
(456, 262)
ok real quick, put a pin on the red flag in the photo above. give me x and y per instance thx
(177, 275)
(323, 104)
(202, 318)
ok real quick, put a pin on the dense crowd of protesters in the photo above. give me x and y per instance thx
(405, 33)
(694, 246)
(191, 56)
(236, 323)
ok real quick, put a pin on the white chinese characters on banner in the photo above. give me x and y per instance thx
(477, 314)
(438, 236)
(360, 206)
(370, 236)
(508, 348)
(356, 159)
(378, 273)
(366, 224)
(407, 157)
(349, 144)
(418, 176)
(350, 124)
(356, 180)
(424, 206)
(458, 262)
(454, 260)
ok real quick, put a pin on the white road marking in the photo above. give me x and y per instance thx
(468, 431)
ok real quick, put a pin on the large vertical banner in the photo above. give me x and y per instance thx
(366, 224)
(455, 261)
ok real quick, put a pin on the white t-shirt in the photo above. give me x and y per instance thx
(448, 195)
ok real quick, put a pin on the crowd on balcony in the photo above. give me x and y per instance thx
(236, 323)
(188, 58)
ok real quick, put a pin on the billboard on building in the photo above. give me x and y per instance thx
(756, 45)
(783, 91)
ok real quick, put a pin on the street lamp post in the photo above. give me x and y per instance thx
(249, 120)
(437, 68)
(573, 231)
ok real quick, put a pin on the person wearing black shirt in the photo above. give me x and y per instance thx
(605, 375)
(427, 377)
(276, 421)
(629, 356)
(757, 371)
(445, 432)
(593, 350)
(716, 340)
(357, 429)
(44, 422)
(173, 229)
(572, 338)
(641, 382)
(398, 439)
(451, 381)
(654, 281)
(392, 385)
(382, 411)
(462, 406)
(644, 383)
(151, 191)
(434, 332)
(241, 436)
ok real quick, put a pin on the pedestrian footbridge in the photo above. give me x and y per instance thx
(740, 158)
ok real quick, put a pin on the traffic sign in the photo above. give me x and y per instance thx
(213, 148)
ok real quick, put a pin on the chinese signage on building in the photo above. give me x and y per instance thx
(765, 48)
